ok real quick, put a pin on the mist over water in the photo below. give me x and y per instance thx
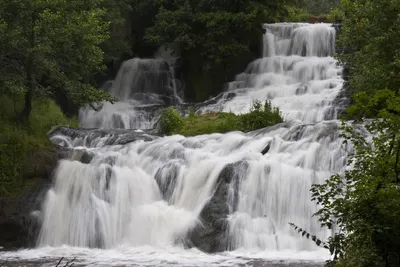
(143, 200)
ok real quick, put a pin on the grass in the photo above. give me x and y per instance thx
(259, 116)
(23, 144)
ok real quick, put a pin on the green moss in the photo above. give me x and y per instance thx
(20, 140)
(259, 116)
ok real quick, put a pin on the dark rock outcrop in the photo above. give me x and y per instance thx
(211, 234)
(19, 218)
(166, 179)
(81, 155)
(19, 215)
(266, 149)
(113, 136)
(41, 163)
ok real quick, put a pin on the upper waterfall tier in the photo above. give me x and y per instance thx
(299, 39)
(139, 85)
(138, 77)
(296, 74)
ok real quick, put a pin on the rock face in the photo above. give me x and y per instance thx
(210, 235)
(91, 136)
(19, 216)
(19, 224)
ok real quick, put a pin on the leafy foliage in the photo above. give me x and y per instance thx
(48, 49)
(260, 116)
(170, 121)
(117, 15)
(19, 141)
(370, 38)
(48, 46)
(321, 6)
(297, 14)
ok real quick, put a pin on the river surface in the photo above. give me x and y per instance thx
(150, 256)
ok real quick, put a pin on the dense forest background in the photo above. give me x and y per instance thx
(54, 55)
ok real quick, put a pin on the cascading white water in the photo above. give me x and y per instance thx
(160, 192)
(141, 87)
(296, 74)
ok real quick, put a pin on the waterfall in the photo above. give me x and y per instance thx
(141, 87)
(296, 74)
(234, 191)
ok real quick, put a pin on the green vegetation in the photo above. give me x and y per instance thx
(260, 116)
(49, 50)
(23, 146)
(363, 205)
(320, 7)
(52, 46)
(370, 38)
(298, 14)
(312, 11)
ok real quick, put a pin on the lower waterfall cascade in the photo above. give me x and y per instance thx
(219, 193)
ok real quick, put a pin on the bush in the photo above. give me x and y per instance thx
(260, 116)
(170, 121)
(12, 147)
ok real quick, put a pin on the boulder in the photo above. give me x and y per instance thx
(211, 234)
(19, 215)
(19, 220)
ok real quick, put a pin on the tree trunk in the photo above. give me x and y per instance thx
(28, 105)
(29, 76)
(30, 87)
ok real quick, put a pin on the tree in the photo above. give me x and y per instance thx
(370, 37)
(52, 45)
(117, 47)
